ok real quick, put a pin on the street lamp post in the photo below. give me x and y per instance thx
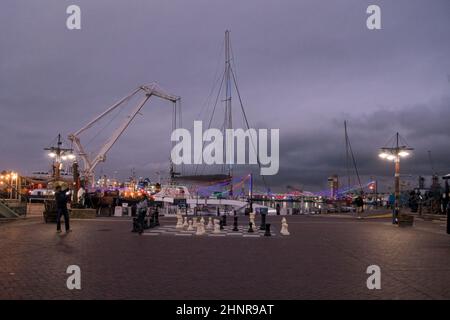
(11, 187)
(14, 176)
(395, 153)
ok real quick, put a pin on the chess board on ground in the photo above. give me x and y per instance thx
(227, 231)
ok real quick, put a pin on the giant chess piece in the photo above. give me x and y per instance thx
(156, 214)
(209, 226)
(263, 222)
(284, 227)
(267, 233)
(185, 223)
(216, 226)
(179, 221)
(221, 224)
(235, 224)
(250, 227)
(224, 220)
(190, 226)
(252, 216)
(152, 222)
(194, 222)
(200, 227)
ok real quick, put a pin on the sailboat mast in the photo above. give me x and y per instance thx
(228, 114)
(347, 159)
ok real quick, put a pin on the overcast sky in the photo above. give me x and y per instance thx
(303, 67)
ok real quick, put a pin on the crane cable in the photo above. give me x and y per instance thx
(118, 112)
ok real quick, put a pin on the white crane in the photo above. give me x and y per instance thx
(90, 163)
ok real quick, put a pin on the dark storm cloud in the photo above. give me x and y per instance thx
(307, 157)
(302, 66)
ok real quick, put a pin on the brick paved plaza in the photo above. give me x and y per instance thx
(324, 258)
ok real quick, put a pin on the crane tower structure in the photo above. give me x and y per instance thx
(90, 162)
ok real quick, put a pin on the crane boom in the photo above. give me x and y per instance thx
(90, 164)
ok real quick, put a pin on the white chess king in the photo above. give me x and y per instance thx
(200, 227)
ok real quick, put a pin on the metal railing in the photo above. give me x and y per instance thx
(8, 212)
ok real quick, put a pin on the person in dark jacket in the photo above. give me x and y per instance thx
(61, 206)
(359, 204)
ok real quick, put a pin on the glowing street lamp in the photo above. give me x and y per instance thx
(395, 153)
(11, 180)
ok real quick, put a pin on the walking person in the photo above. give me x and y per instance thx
(61, 206)
(359, 201)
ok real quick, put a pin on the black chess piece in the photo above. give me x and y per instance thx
(152, 220)
(250, 229)
(235, 224)
(267, 233)
(263, 222)
(224, 220)
(221, 224)
(135, 225)
(218, 212)
(156, 217)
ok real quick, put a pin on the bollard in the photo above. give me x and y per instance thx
(395, 216)
(235, 224)
(267, 233)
